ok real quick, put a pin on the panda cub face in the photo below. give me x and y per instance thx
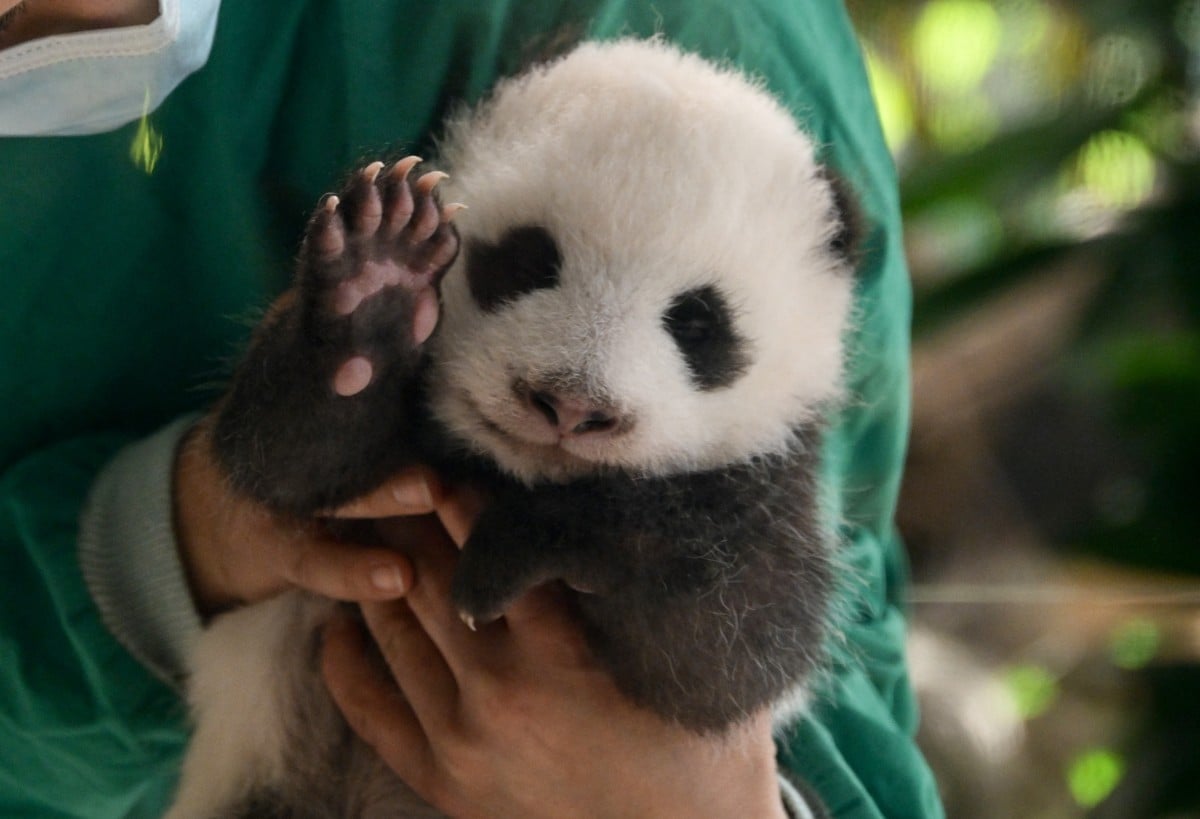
(649, 279)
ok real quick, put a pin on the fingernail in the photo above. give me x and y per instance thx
(388, 579)
(413, 492)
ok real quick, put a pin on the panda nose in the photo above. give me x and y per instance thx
(570, 415)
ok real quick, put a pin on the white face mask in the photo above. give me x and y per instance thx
(93, 81)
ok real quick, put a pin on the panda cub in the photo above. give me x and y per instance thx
(629, 340)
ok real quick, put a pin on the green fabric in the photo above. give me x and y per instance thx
(122, 289)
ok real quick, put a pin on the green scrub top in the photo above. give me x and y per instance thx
(131, 261)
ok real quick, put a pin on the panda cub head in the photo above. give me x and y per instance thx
(651, 276)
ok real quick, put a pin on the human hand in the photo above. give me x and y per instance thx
(236, 551)
(517, 719)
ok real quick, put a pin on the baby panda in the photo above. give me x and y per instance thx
(630, 340)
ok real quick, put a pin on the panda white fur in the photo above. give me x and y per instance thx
(640, 325)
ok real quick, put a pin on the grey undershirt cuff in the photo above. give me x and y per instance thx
(129, 557)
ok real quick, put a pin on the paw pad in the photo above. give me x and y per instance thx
(384, 232)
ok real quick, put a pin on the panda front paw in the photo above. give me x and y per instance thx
(369, 268)
(507, 554)
(481, 597)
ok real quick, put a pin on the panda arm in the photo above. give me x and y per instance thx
(322, 408)
(736, 554)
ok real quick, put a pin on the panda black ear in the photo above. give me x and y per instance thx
(847, 240)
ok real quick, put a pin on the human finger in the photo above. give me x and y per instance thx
(236, 550)
(343, 570)
(543, 606)
(372, 705)
(542, 623)
(458, 509)
(434, 558)
(415, 662)
(411, 492)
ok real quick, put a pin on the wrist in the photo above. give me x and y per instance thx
(128, 556)
(201, 510)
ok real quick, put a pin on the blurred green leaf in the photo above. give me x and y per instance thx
(934, 306)
(1093, 774)
(1135, 643)
(1007, 165)
(1033, 688)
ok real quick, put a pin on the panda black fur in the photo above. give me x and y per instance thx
(639, 329)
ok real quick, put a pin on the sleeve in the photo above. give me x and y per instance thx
(122, 282)
(799, 801)
(129, 557)
(85, 730)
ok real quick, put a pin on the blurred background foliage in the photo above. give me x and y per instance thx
(1049, 158)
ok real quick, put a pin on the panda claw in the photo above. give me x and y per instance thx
(468, 619)
(403, 167)
(429, 181)
(452, 210)
(331, 203)
(371, 172)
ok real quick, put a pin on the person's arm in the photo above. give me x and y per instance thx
(121, 277)
(127, 555)
(85, 731)
(164, 544)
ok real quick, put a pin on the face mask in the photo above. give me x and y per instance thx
(93, 81)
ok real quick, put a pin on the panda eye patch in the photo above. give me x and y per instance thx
(523, 260)
(701, 324)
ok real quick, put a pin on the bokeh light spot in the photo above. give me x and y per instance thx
(954, 44)
(1187, 23)
(892, 102)
(1135, 643)
(1033, 688)
(963, 125)
(1093, 774)
(1116, 169)
(1119, 67)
